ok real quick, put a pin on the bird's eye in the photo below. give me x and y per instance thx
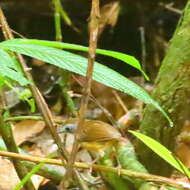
(69, 128)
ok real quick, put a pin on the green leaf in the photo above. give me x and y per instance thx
(8, 69)
(28, 176)
(117, 55)
(26, 95)
(2, 80)
(163, 152)
(78, 64)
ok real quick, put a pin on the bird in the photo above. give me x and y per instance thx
(95, 135)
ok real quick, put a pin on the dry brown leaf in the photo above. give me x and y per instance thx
(37, 180)
(25, 129)
(109, 15)
(8, 176)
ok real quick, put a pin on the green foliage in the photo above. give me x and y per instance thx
(163, 152)
(78, 64)
(9, 70)
(117, 55)
(28, 176)
(26, 95)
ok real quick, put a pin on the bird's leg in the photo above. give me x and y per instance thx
(118, 167)
(95, 160)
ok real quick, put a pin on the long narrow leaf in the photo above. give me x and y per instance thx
(28, 176)
(117, 55)
(78, 64)
(162, 151)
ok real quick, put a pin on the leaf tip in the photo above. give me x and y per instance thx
(145, 75)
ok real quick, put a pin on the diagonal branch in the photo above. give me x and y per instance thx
(43, 107)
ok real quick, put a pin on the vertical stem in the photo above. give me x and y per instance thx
(57, 19)
(8, 138)
(143, 47)
(64, 81)
(143, 59)
(94, 19)
(7, 135)
(64, 74)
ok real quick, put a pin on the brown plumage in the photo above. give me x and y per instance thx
(94, 130)
(95, 134)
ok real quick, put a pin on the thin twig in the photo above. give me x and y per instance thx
(66, 18)
(129, 173)
(15, 32)
(171, 8)
(64, 84)
(6, 128)
(32, 117)
(120, 101)
(94, 19)
(94, 99)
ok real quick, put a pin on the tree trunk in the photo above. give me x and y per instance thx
(172, 91)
